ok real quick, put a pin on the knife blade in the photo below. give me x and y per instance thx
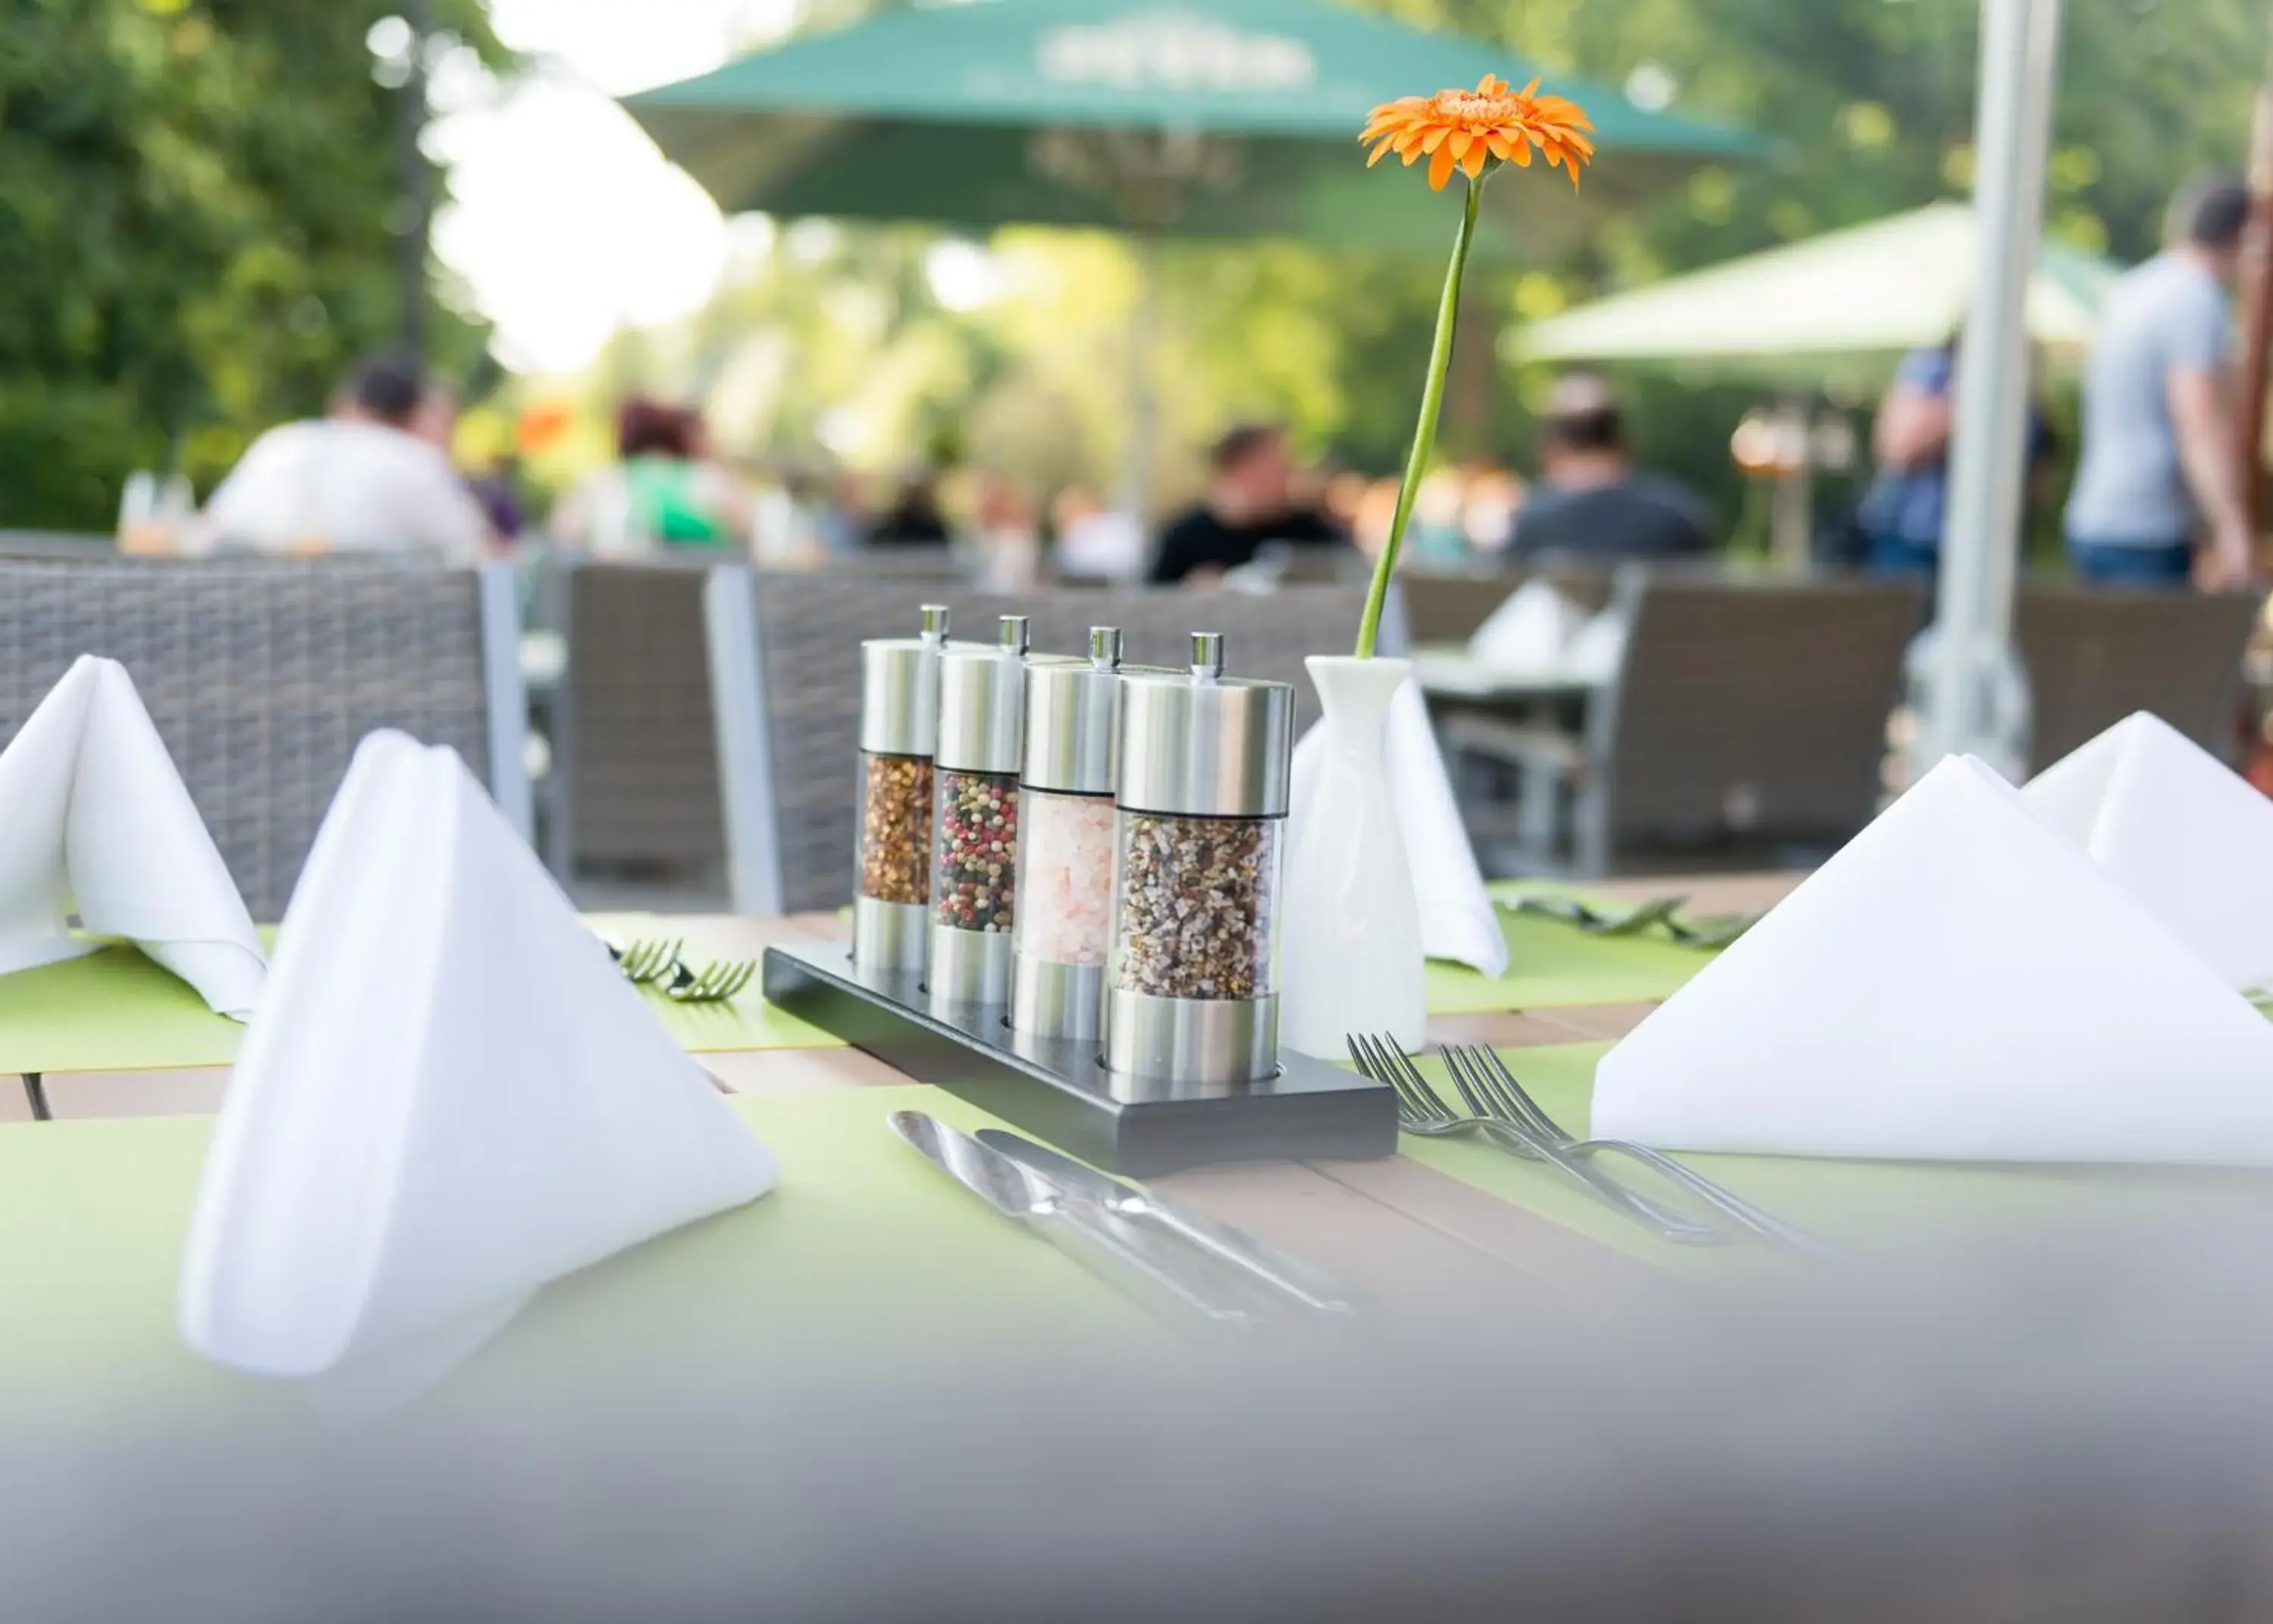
(1107, 1245)
(1291, 1276)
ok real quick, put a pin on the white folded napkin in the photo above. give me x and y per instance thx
(449, 1097)
(94, 817)
(1594, 651)
(1960, 983)
(1532, 628)
(1457, 918)
(2189, 839)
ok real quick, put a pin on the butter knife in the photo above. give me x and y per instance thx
(1290, 1276)
(1107, 1245)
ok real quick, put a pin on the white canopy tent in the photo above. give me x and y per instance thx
(1868, 292)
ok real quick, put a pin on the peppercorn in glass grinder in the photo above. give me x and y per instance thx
(899, 731)
(974, 868)
(1200, 813)
(1065, 841)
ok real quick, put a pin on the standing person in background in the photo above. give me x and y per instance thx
(362, 480)
(1249, 503)
(665, 492)
(2157, 469)
(1590, 502)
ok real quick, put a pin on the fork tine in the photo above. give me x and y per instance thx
(1520, 1096)
(1511, 1103)
(1454, 1066)
(740, 977)
(1430, 1102)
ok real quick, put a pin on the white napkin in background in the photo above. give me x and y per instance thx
(1531, 629)
(450, 1097)
(2189, 839)
(1960, 983)
(1457, 918)
(1596, 649)
(94, 816)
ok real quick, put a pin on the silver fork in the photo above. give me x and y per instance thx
(1421, 1111)
(1510, 1101)
(645, 961)
(714, 984)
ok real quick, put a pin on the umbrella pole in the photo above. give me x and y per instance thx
(2257, 309)
(1144, 402)
(1975, 704)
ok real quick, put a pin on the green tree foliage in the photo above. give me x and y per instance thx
(197, 200)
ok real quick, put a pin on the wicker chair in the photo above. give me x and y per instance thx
(1752, 714)
(785, 671)
(635, 768)
(1446, 607)
(262, 676)
(2093, 657)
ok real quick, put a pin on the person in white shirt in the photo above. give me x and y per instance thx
(360, 481)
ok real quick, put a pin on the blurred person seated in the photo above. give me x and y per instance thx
(365, 479)
(1249, 503)
(1590, 502)
(664, 493)
(2157, 467)
(914, 518)
(1007, 541)
(1095, 543)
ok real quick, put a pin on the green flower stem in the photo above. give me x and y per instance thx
(1424, 433)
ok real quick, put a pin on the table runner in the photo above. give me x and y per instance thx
(1855, 1203)
(863, 1242)
(1554, 965)
(115, 1011)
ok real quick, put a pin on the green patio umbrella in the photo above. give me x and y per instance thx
(1183, 118)
(1209, 117)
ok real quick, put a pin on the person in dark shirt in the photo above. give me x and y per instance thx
(914, 520)
(1590, 502)
(1248, 505)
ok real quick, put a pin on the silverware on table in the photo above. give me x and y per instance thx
(713, 983)
(1508, 1101)
(1301, 1282)
(1138, 1260)
(1705, 931)
(1421, 1111)
(659, 963)
(643, 963)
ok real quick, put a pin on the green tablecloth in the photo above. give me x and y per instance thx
(1859, 1204)
(864, 1243)
(1551, 965)
(117, 1011)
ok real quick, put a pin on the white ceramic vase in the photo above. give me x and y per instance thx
(1350, 931)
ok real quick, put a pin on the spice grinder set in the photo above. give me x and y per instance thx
(1093, 847)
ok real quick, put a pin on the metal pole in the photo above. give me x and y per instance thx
(417, 205)
(1144, 338)
(1971, 700)
(2257, 309)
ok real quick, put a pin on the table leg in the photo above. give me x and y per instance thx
(35, 1094)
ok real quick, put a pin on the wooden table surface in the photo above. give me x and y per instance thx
(1391, 1225)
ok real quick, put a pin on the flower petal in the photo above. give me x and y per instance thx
(1459, 141)
(1440, 168)
(1474, 160)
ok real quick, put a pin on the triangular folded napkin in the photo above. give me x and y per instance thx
(1458, 920)
(2170, 823)
(1531, 630)
(94, 819)
(1960, 983)
(449, 1097)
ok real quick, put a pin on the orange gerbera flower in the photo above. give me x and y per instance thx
(1468, 129)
